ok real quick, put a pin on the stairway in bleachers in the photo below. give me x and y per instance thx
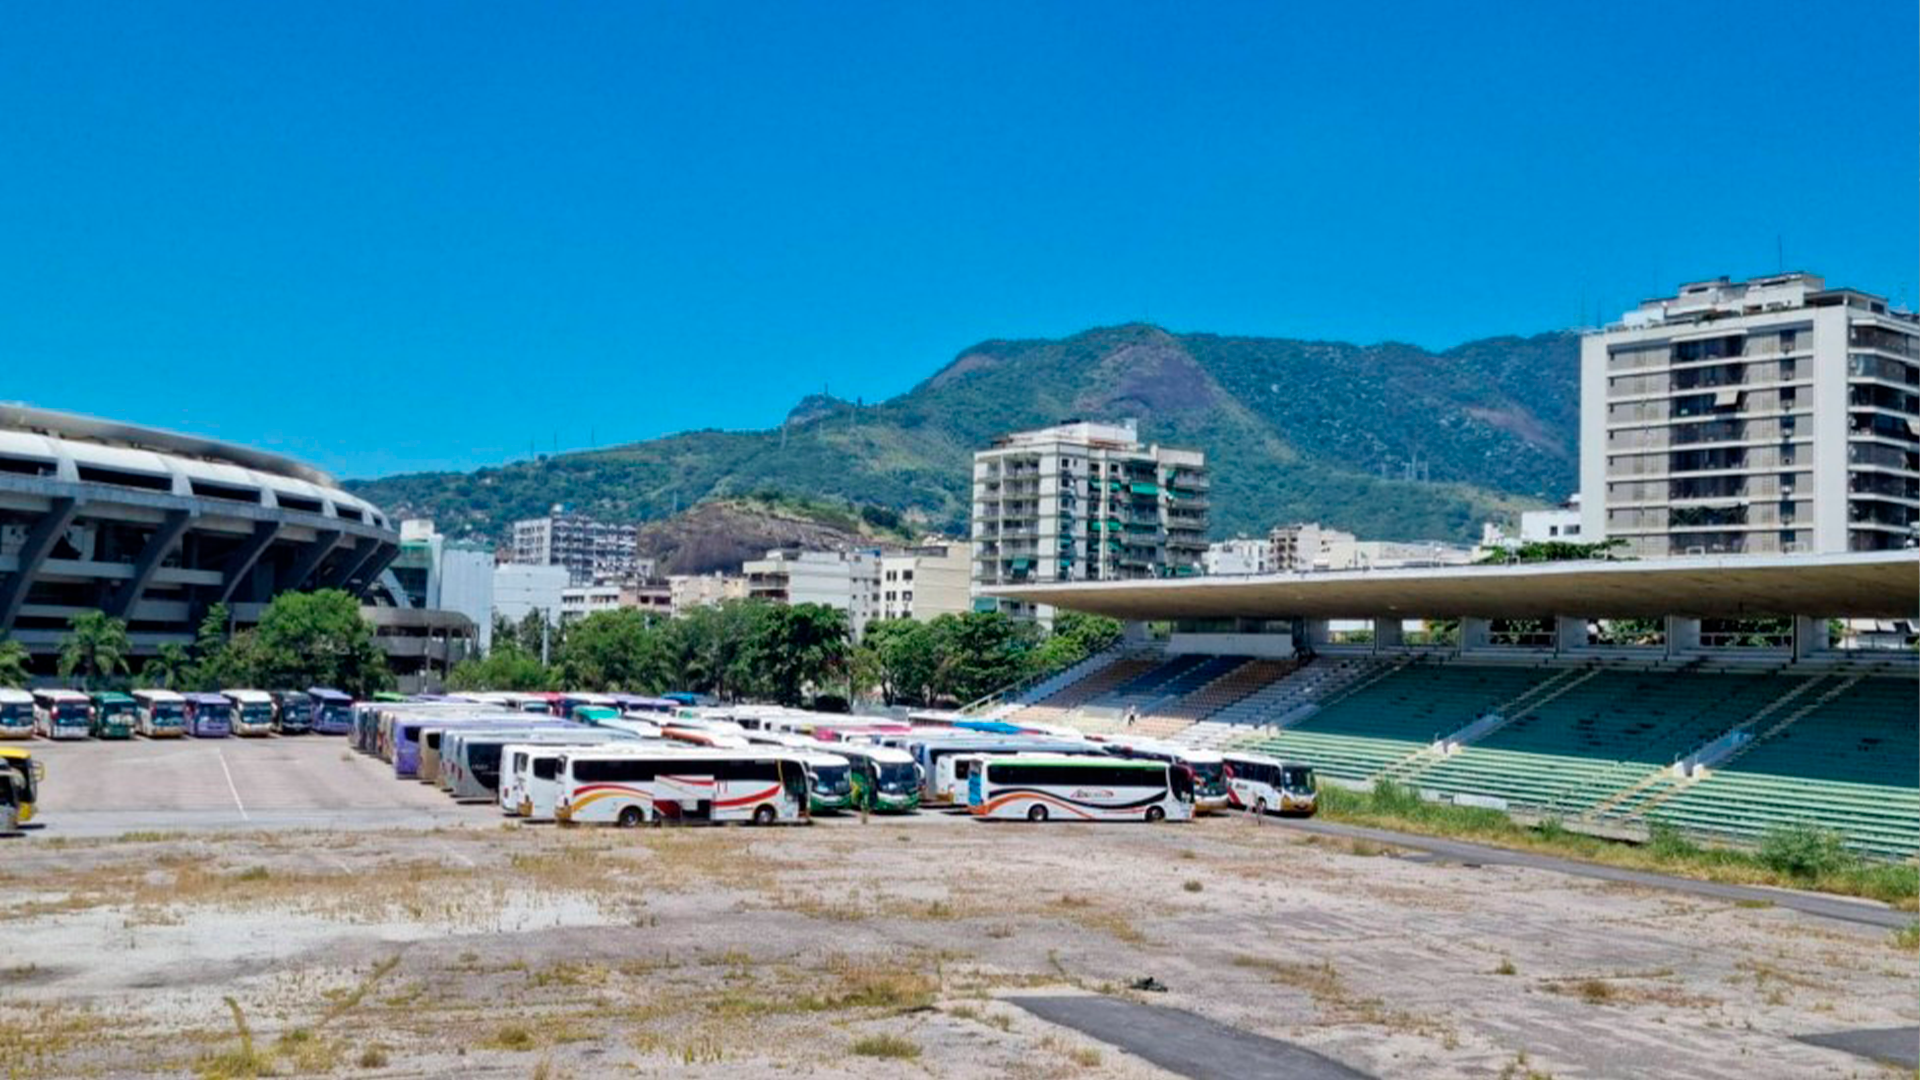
(1850, 762)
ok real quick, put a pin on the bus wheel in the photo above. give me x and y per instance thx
(1260, 808)
(630, 817)
(764, 814)
(1036, 812)
(1155, 813)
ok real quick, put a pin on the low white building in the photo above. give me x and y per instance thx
(686, 592)
(1242, 555)
(522, 588)
(926, 581)
(1311, 547)
(848, 580)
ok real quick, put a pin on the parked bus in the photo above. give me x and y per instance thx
(1209, 768)
(635, 705)
(62, 714)
(114, 716)
(592, 714)
(700, 736)
(160, 714)
(762, 785)
(470, 762)
(1073, 787)
(332, 710)
(530, 772)
(829, 779)
(209, 716)
(430, 744)
(16, 714)
(945, 781)
(252, 712)
(27, 775)
(292, 712)
(884, 779)
(1268, 785)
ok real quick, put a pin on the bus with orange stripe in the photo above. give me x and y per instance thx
(1071, 787)
(688, 785)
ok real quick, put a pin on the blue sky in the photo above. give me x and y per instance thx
(397, 236)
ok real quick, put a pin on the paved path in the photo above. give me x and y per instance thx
(1895, 1046)
(1829, 907)
(1184, 1043)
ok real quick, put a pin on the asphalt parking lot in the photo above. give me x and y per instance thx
(308, 781)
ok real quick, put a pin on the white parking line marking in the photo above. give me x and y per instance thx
(232, 787)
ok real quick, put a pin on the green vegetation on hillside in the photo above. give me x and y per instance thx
(1294, 431)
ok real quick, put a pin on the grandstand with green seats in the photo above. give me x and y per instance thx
(1727, 739)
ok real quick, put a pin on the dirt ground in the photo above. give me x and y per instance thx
(500, 950)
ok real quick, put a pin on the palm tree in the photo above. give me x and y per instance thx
(13, 664)
(169, 670)
(98, 646)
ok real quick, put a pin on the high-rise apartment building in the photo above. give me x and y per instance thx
(1768, 416)
(1084, 502)
(594, 552)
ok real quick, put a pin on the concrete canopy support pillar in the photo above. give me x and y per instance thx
(370, 574)
(1811, 636)
(1388, 634)
(1683, 636)
(33, 555)
(1313, 633)
(309, 560)
(1133, 632)
(241, 562)
(1569, 634)
(352, 565)
(165, 536)
(1475, 633)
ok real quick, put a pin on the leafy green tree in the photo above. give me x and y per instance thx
(506, 667)
(170, 670)
(96, 648)
(1075, 637)
(1539, 551)
(901, 659)
(313, 639)
(979, 652)
(532, 633)
(612, 650)
(800, 646)
(13, 664)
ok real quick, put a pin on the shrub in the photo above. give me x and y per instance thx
(886, 1046)
(1666, 842)
(1805, 851)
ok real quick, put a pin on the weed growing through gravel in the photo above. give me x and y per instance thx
(886, 1046)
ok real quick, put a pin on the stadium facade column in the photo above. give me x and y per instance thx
(1475, 633)
(1569, 634)
(1388, 634)
(1683, 636)
(1812, 636)
(33, 555)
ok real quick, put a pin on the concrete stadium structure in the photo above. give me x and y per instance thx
(155, 527)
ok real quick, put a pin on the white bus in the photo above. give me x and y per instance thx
(530, 773)
(763, 786)
(252, 711)
(1039, 787)
(1209, 766)
(16, 714)
(159, 714)
(1268, 785)
(62, 714)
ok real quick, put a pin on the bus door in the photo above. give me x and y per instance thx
(686, 794)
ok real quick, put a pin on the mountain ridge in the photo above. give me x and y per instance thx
(1293, 429)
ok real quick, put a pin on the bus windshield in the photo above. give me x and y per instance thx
(18, 714)
(1210, 776)
(832, 779)
(69, 712)
(169, 712)
(256, 714)
(895, 776)
(1297, 778)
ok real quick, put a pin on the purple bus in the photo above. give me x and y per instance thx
(209, 716)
